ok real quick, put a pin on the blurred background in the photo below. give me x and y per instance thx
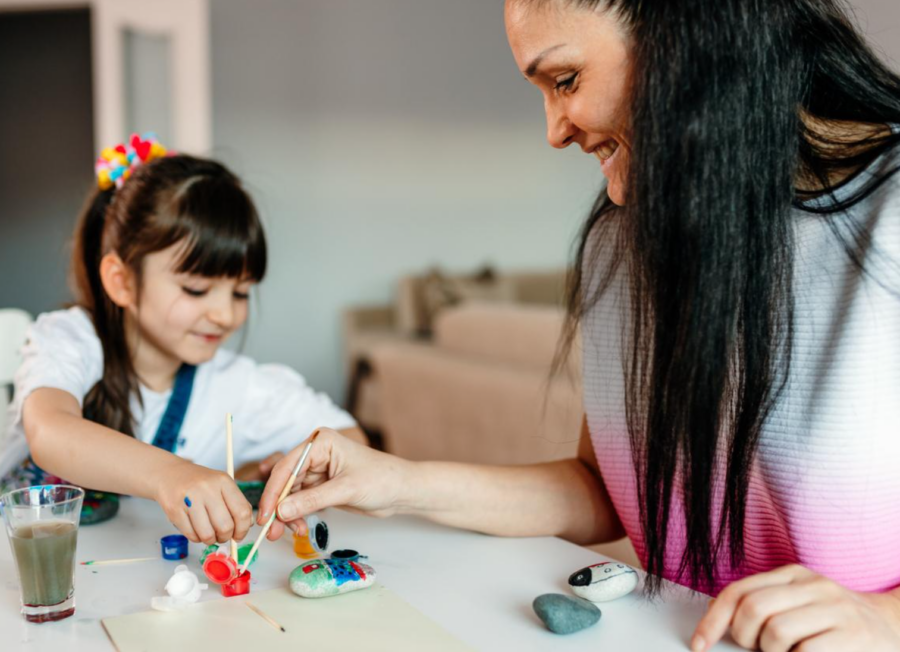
(419, 225)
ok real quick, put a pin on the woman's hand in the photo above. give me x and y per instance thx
(793, 608)
(205, 505)
(338, 473)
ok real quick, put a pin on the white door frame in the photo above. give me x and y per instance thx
(185, 23)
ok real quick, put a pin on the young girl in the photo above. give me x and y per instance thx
(127, 391)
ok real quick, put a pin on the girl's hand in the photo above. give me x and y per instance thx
(793, 608)
(205, 505)
(254, 471)
(338, 473)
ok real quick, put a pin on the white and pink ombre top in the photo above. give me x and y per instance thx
(825, 487)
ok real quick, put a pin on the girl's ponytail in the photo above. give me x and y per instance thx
(108, 402)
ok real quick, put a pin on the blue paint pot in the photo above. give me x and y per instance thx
(174, 546)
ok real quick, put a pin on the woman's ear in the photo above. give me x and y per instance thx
(118, 281)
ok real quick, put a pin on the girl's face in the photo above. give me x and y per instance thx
(578, 58)
(183, 316)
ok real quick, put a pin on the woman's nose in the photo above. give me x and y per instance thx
(560, 130)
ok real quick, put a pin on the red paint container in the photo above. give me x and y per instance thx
(220, 568)
(238, 586)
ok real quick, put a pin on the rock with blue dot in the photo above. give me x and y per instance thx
(603, 582)
(563, 614)
(320, 578)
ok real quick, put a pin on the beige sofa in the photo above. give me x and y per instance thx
(480, 390)
(472, 383)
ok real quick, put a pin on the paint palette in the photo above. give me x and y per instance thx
(98, 506)
(252, 490)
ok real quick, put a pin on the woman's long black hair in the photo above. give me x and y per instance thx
(733, 102)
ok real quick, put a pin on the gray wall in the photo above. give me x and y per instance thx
(880, 19)
(381, 138)
(46, 151)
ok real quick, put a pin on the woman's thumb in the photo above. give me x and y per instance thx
(332, 493)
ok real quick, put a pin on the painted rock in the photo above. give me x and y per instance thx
(319, 578)
(603, 582)
(563, 614)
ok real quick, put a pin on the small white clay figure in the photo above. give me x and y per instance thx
(604, 582)
(183, 588)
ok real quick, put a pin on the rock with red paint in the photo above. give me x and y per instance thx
(320, 578)
(603, 582)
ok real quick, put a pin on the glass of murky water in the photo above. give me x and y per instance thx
(42, 524)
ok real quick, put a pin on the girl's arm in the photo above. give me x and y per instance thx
(65, 444)
(565, 498)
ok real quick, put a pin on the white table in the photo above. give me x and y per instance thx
(481, 587)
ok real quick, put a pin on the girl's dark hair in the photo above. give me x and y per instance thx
(166, 201)
(732, 102)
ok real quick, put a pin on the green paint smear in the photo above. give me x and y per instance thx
(243, 551)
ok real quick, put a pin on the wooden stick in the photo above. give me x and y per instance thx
(284, 493)
(229, 437)
(107, 562)
(268, 619)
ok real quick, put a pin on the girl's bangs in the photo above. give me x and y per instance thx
(221, 229)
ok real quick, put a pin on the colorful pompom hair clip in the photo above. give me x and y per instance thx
(114, 165)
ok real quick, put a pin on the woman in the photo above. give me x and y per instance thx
(737, 291)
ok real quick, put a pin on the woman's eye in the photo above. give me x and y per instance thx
(192, 292)
(243, 296)
(566, 84)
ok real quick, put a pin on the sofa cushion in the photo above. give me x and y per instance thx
(422, 298)
(438, 405)
(515, 334)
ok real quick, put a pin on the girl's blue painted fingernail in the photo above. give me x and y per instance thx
(187, 501)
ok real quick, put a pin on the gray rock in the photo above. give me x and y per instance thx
(563, 614)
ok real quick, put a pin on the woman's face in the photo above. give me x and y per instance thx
(578, 58)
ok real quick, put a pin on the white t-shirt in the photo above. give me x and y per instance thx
(273, 407)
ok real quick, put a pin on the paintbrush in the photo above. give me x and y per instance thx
(267, 618)
(229, 445)
(284, 493)
(106, 562)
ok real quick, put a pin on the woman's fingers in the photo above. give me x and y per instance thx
(715, 622)
(275, 531)
(308, 501)
(319, 457)
(278, 528)
(756, 610)
(269, 463)
(280, 475)
(785, 630)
